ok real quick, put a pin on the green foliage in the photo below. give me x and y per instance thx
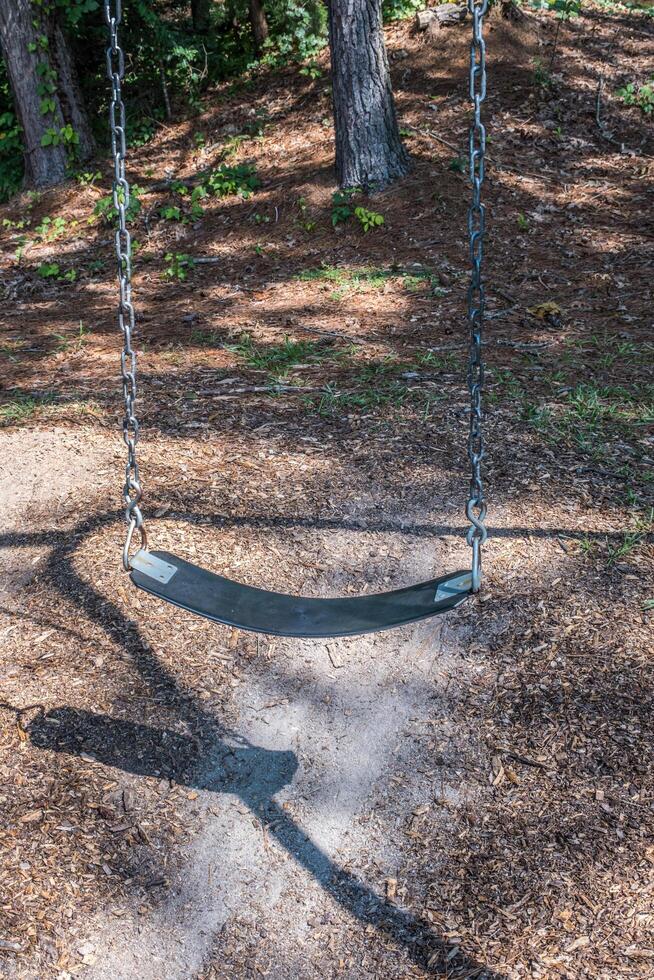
(542, 76)
(141, 130)
(642, 527)
(11, 150)
(65, 342)
(311, 70)
(342, 208)
(88, 179)
(641, 96)
(50, 228)
(304, 219)
(106, 212)
(169, 64)
(400, 9)
(564, 9)
(10, 225)
(171, 213)
(298, 29)
(48, 270)
(75, 10)
(179, 266)
(65, 135)
(226, 181)
(375, 386)
(52, 270)
(368, 219)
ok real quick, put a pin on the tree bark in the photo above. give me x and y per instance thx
(70, 94)
(22, 28)
(258, 23)
(369, 152)
(200, 14)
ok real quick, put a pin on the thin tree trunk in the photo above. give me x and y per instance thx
(200, 14)
(369, 152)
(258, 23)
(22, 28)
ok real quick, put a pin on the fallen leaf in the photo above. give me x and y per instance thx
(548, 312)
(32, 816)
(580, 943)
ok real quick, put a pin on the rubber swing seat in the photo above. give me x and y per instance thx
(234, 604)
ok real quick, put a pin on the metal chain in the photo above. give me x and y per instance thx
(476, 506)
(132, 492)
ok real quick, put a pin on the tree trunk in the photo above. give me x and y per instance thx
(47, 64)
(259, 24)
(369, 152)
(200, 14)
(70, 95)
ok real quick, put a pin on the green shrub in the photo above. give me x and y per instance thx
(105, 210)
(226, 181)
(400, 9)
(342, 205)
(11, 149)
(178, 266)
(641, 96)
(368, 219)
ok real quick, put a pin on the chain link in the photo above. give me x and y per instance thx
(132, 492)
(476, 506)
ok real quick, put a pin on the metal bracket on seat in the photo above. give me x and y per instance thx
(461, 585)
(152, 566)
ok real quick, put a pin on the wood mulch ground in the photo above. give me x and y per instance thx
(533, 856)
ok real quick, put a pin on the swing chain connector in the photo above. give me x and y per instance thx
(476, 506)
(132, 492)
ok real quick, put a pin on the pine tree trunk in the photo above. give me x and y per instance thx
(369, 152)
(23, 26)
(70, 95)
(200, 15)
(258, 23)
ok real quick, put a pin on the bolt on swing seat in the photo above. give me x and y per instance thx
(215, 597)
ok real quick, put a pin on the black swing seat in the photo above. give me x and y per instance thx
(234, 604)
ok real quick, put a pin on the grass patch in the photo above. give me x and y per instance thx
(348, 279)
(276, 358)
(642, 527)
(591, 416)
(448, 361)
(374, 386)
(206, 338)
(20, 407)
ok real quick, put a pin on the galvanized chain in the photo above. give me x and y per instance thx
(476, 506)
(132, 492)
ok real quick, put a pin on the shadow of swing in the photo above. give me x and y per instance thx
(231, 764)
